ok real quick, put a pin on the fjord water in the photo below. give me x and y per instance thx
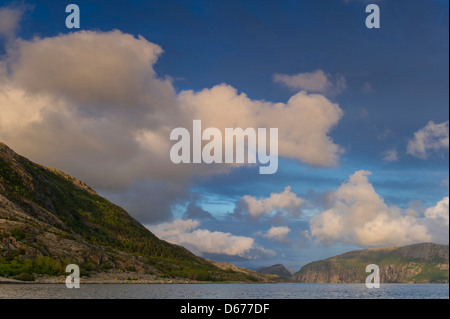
(225, 291)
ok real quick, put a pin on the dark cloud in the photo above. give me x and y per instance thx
(194, 211)
(150, 201)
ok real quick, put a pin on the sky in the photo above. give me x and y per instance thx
(362, 117)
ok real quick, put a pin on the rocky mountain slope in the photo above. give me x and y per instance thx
(49, 219)
(263, 277)
(419, 263)
(278, 270)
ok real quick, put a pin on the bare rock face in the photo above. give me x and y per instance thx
(419, 263)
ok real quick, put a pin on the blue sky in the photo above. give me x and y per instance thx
(389, 83)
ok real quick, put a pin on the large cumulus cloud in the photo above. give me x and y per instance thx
(91, 103)
(358, 215)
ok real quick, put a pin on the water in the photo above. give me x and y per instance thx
(225, 291)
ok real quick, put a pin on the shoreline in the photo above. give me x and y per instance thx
(86, 281)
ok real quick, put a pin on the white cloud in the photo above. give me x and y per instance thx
(278, 233)
(433, 137)
(390, 156)
(317, 81)
(440, 212)
(203, 241)
(358, 215)
(286, 202)
(92, 68)
(9, 20)
(303, 122)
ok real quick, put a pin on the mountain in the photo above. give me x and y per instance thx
(248, 272)
(278, 270)
(419, 263)
(49, 219)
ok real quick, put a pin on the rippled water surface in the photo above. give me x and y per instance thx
(226, 291)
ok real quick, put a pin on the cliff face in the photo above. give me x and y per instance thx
(419, 263)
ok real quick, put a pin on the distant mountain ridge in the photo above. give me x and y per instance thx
(278, 270)
(49, 219)
(418, 263)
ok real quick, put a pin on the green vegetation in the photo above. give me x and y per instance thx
(17, 263)
(185, 269)
(16, 188)
(83, 212)
(95, 218)
(430, 273)
(422, 263)
(18, 234)
(24, 277)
